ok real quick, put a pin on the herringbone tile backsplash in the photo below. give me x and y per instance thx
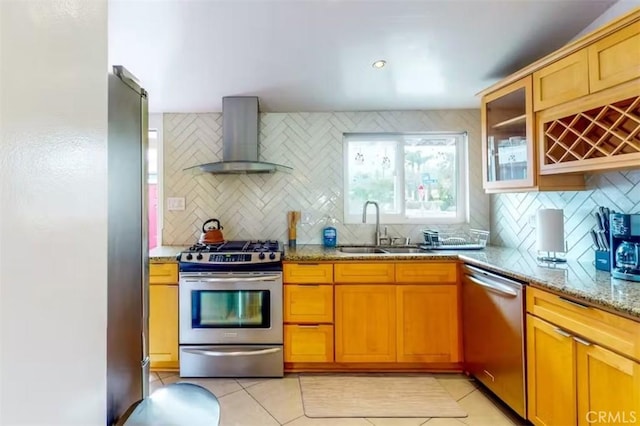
(255, 206)
(511, 213)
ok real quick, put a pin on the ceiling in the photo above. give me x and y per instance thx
(317, 55)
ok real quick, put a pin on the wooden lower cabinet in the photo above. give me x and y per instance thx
(308, 303)
(550, 374)
(308, 343)
(163, 326)
(573, 381)
(427, 323)
(365, 323)
(608, 387)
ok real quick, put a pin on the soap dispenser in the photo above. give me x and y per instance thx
(329, 233)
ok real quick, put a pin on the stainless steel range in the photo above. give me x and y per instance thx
(231, 310)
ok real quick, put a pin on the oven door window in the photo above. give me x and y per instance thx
(230, 309)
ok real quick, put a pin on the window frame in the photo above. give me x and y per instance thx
(462, 200)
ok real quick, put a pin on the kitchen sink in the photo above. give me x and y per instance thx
(380, 250)
(360, 250)
(409, 250)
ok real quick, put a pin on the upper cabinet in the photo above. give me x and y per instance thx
(576, 110)
(508, 149)
(615, 59)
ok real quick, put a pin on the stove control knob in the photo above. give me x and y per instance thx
(189, 256)
(199, 256)
(272, 256)
(261, 256)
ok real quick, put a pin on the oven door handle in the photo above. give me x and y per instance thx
(231, 353)
(233, 279)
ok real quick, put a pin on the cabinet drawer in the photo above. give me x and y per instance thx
(163, 273)
(364, 273)
(615, 59)
(606, 329)
(313, 273)
(308, 303)
(308, 343)
(427, 272)
(561, 81)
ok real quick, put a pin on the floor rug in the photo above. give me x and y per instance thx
(376, 396)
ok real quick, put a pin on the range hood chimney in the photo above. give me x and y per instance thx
(240, 131)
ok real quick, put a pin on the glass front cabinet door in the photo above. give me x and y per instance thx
(508, 160)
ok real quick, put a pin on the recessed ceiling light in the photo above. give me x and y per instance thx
(379, 64)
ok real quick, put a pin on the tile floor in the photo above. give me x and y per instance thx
(274, 402)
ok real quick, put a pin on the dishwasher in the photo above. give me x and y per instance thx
(493, 330)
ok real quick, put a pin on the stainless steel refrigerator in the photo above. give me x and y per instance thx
(128, 283)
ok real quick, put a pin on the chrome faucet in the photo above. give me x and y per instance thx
(364, 218)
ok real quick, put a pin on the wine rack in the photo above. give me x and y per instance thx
(607, 135)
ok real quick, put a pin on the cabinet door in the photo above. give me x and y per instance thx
(507, 137)
(615, 58)
(427, 323)
(308, 303)
(561, 81)
(308, 343)
(608, 387)
(365, 323)
(163, 326)
(550, 374)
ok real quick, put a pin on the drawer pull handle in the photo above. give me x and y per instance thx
(309, 285)
(493, 379)
(308, 264)
(573, 302)
(308, 326)
(581, 341)
(562, 332)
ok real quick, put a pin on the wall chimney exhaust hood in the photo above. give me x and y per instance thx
(240, 140)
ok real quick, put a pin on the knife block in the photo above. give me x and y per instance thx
(603, 260)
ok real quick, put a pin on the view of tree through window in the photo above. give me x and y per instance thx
(413, 177)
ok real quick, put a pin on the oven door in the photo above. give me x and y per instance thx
(230, 308)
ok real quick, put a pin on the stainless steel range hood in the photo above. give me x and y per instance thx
(240, 131)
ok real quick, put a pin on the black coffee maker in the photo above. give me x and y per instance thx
(625, 246)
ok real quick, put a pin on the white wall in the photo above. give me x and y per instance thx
(53, 212)
(255, 206)
(619, 8)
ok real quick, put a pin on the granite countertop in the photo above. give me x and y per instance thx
(577, 279)
(165, 253)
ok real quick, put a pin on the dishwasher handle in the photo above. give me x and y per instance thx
(494, 286)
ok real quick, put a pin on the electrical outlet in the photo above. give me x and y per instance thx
(532, 221)
(175, 203)
(307, 218)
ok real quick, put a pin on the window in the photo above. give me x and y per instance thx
(414, 177)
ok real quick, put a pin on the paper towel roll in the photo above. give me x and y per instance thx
(550, 230)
